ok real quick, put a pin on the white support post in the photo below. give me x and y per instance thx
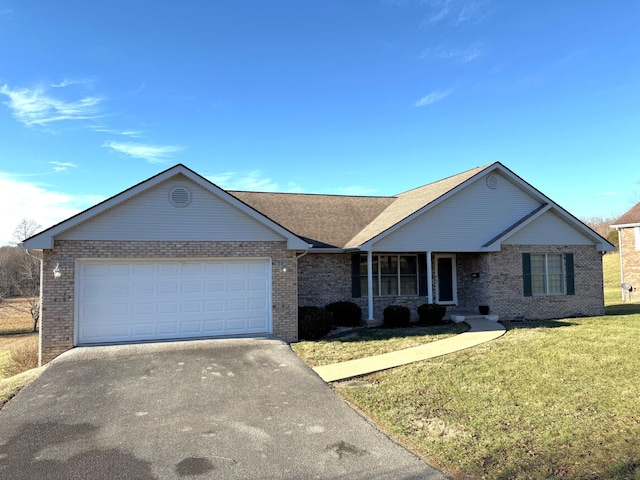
(429, 279)
(370, 284)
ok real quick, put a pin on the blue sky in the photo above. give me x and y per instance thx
(344, 97)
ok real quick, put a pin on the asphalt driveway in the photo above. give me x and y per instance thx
(241, 409)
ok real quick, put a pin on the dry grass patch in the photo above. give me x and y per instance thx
(18, 353)
(14, 316)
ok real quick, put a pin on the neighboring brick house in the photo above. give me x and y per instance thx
(176, 257)
(628, 227)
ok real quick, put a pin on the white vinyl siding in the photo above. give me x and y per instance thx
(463, 222)
(549, 229)
(151, 216)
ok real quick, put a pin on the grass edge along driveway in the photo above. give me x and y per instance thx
(550, 399)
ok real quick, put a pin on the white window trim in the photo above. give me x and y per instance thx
(636, 230)
(563, 283)
(377, 278)
(454, 280)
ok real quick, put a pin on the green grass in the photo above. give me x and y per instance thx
(612, 292)
(549, 399)
(365, 342)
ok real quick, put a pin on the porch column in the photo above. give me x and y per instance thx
(370, 284)
(429, 279)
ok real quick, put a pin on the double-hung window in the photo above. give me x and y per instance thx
(392, 275)
(547, 274)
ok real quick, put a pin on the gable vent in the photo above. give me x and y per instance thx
(493, 181)
(180, 196)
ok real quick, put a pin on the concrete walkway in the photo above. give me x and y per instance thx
(481, 331)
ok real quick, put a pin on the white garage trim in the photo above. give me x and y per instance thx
(129, 300)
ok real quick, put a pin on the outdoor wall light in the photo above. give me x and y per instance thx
(284, 267)
(56, 271)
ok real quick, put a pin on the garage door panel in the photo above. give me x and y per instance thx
(121, 300)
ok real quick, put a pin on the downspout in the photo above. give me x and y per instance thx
(429, 279)
(370, 285)
(624, 293)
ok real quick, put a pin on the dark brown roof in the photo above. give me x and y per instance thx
(324, 220)
(632, 216)
(346, 221)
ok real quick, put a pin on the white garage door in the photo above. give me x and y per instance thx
(123, 301)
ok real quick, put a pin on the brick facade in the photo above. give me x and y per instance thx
(493, 279)
(58, 300)
(630, 257)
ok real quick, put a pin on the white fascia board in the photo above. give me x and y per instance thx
(44, 240)
(625, 225)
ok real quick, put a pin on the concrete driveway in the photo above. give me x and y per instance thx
(241, 409)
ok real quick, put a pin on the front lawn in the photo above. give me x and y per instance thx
(364, 342)
(547, 400)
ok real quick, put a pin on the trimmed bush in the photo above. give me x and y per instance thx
(345, 314)
(396, 316)
(431, 313)
(313, 322)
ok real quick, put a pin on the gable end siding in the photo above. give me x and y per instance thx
(150, 216)
(463, 222)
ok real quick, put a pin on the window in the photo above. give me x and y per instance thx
(636, 231)
(392, 275)
(548, 274)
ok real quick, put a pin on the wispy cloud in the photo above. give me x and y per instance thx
(62, 166)
(113, 131)
(433, 97)
(29, 200)
(253, 180)
(456, 12)
(458, 55)
(6, 13)
(34, 106)
(150, 153)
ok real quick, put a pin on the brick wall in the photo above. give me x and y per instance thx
(506, 290)
(630, 257)
(324, 278)
(58, 301)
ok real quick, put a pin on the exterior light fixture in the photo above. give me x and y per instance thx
(56, 271)
(284, 267)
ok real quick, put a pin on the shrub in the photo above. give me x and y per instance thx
(431, 313)
(24, 356)
(313, 322)
(345, 314)
(396, 316)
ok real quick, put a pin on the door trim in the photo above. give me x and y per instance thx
(454, 280)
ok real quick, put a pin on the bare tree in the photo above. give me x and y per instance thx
(20, 272)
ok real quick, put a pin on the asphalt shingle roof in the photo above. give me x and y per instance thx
(346, 221)
(631, 216)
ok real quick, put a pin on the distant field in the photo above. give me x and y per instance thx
(14, 316)
(612, 292)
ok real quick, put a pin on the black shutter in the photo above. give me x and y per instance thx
(355, 275)
(568, 265)
(422, 275)
(526, 274)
